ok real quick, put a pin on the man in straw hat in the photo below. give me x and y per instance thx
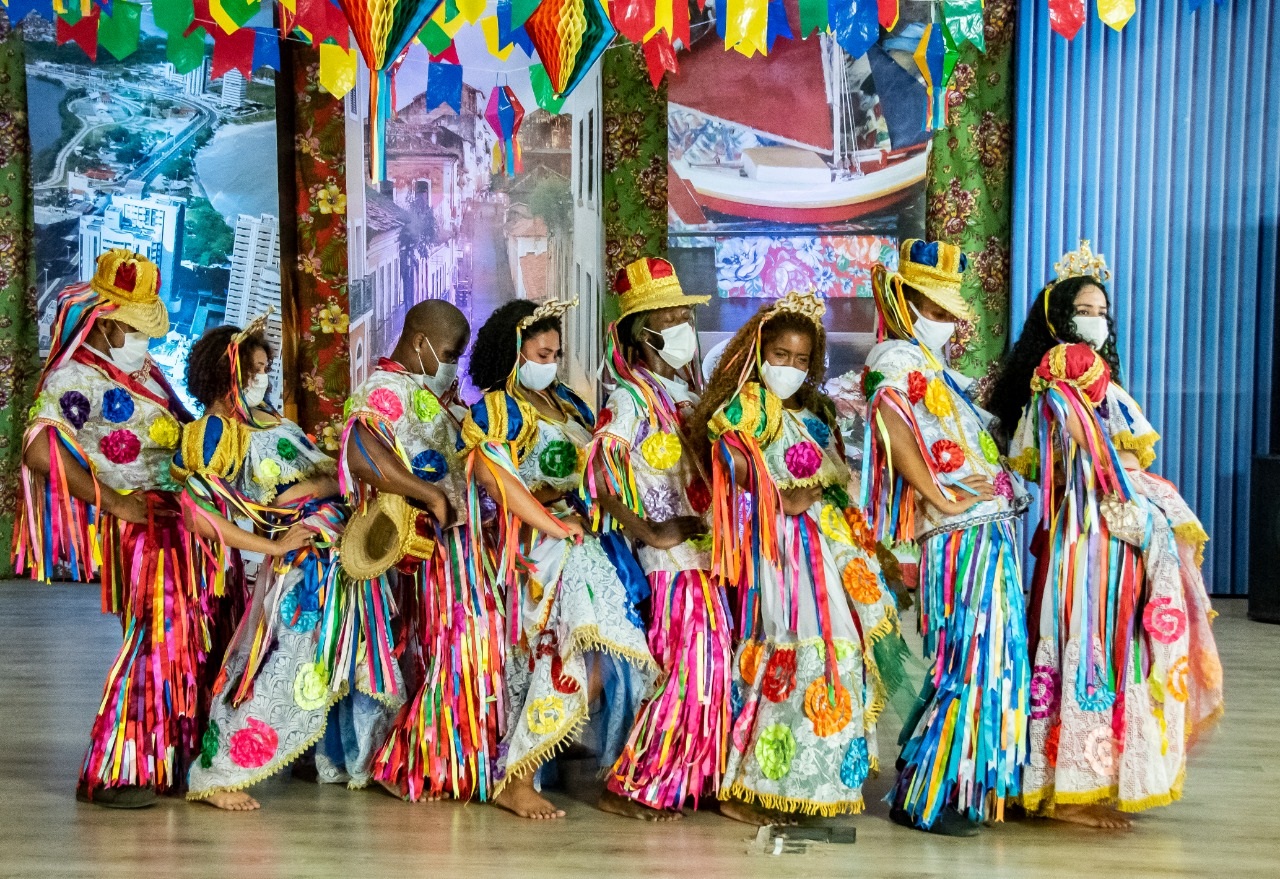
(934, 476)
(649, 485)
(401, 441)
(98, 499)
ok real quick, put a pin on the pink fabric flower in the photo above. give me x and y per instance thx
(385, 402)
(120, 446)
(1044, 692)
(1003, 486)
(254, 745)
(803, 459)
(1163, 621)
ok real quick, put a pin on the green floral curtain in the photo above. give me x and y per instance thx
(635, 160)
(18, 355)
(318, 312)
(971, 184)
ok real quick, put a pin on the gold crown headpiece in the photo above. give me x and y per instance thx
(804, 304)
(1083, 263)
(548, 308)
(255, 326)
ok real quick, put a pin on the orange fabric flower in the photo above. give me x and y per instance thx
(749, 661)
(862, 585)
(827, 718)
(862, 534)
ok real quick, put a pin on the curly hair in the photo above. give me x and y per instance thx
(493, 355)
(1012, 388)
(723, 384)
(209, 371)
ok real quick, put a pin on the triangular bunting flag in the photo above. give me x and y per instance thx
(118, 32)
(233, 51)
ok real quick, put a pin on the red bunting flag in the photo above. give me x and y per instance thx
(233, 51)
(1066, 16)
(324, 21)
(84, 33)
(888, 14)
(659, 57)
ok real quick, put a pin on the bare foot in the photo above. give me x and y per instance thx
(520, 798)
(232, 801)
(749, 814)
(1101, 817)
(619, 805)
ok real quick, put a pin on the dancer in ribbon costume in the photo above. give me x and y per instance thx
(820, 649)
(402, 438)
(650, 486)
(576, 649)
(1125, 671)
(243, 461)
(933, 475)
(98, 498)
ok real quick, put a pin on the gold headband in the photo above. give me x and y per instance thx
(549, 308)
(806, 305)
(257, 325)
(1083, 263)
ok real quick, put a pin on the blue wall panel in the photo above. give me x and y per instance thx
(1161, 144)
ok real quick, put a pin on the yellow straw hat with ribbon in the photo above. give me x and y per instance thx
(380, 536)
(131, 283)
(650, 284)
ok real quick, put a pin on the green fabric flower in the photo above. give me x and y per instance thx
(871, 381)
(836, 496)
(989, 449)
(558, 459)
(775, 749)
(286, 450)
(347, 407)
(425, 405)
(209, 745)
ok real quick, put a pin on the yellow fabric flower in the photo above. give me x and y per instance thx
(164, 432)
(936, 399)
(545, 715)
(268, 472)
(661, 450)
(311, 687)
(834, 524)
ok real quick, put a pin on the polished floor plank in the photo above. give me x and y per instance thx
(55, 646)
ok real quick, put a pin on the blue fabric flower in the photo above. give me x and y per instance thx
(300, 608)
(856, 764)
(75, 408)
(818, 430)
(736, 700)
(117, 405)
(430, 465)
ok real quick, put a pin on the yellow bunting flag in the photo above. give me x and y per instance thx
(747, 28)
(471, 10)
(337, 69)
(450, 26)
(490, 27)
(664, 18)
(1115, 14)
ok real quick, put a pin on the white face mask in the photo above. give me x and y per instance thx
(256, 391)
(933, 334)
(446, 373)
(132, 355)
(1093, 329)
(538, 376)
(679, 344)
(782, 380)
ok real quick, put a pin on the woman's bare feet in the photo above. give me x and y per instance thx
(619, 805)
(1101, 817)
(519, 798)
(754, 815)
(232, 801)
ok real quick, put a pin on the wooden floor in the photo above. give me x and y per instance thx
(55, 646)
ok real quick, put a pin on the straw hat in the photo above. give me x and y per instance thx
(131, 283)
(936, 269)
(649, 284)
(381, 535)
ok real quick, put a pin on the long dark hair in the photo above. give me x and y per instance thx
(493, 355)
(1012, 388)
(723, 383)
(209, 369)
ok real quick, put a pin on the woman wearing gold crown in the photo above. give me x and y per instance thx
(576, 646)
(98, 498)
(651, 487)
(820, 647)
(935, 478)
(1125, 670)
(242, 461)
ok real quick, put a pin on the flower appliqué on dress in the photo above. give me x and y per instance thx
(661, 450)
(120, 446)
(75, 408)
(828, 716)
(385, 402)
(286, 450)
(545, 715)
(856, 765)
(165, 432)
(937, 400)
(917, 384)
(775, 749)
(1163, 621)
(947, 456)
(1044, 692)
(749, 661)
(779, 676)
(430, 465)
(117, 405)
(558, 459)
(860, 582)
(803, 459)
(254, 745)
(425, 405)
(818, 430)
(311, 686)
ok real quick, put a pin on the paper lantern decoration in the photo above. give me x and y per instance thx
(569, 36)
(383, 30)
(504, 115)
